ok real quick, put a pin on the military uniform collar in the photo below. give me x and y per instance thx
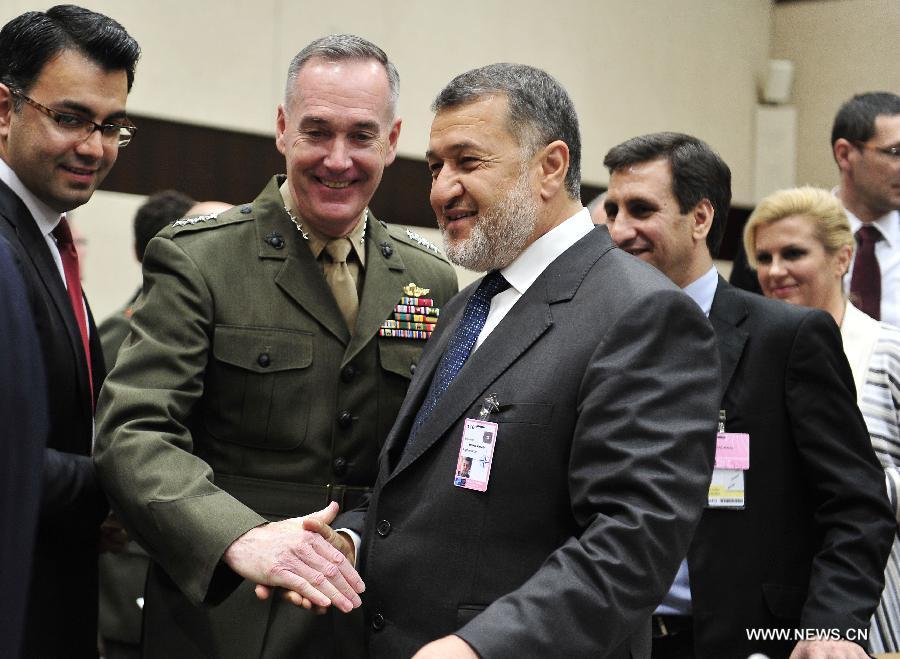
(316, 240)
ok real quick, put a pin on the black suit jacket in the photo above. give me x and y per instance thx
(809, 549)
(63, 594)
(23, 415)
(607, 381)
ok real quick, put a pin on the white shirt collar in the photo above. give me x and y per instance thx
(46, 217)
(888, 224)
(529, 265)
(703, 290)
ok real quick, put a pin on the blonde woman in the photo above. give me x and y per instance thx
(800, 243)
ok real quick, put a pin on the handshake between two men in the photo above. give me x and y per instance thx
(303, 555)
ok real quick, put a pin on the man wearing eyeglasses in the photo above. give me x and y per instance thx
(65, 75)
(865, 140)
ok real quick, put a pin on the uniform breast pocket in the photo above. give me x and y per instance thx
(400, 357)
(258, 386)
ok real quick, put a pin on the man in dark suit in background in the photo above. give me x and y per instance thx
(594, 375)
(64, 80)
(865, 142)
(796, 534)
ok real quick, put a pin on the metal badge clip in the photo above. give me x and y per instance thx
(488, 406)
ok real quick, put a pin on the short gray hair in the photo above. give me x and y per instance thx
(540, 110)
(340, 47)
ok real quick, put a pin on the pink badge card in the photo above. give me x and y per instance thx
(476, 453)
(732, 450)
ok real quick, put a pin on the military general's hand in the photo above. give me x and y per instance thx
(449, 647)
(286, 555)
(822, 649)
(340, 541)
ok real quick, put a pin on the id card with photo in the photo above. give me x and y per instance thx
(732, 459)
(476, 453)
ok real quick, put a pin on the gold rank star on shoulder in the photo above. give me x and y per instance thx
(414, 316)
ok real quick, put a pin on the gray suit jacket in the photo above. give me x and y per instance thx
(607, 379)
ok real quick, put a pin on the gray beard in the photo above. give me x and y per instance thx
(500, 234)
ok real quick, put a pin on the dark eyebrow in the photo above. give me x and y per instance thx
(642, 200)
(453, 148)
(74, 106)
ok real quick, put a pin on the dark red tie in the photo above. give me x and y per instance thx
(69, 255)
(865, 285)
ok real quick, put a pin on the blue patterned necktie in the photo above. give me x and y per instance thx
(460, 345)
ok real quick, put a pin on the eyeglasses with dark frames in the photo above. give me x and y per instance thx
(890, 151)
(80, 128)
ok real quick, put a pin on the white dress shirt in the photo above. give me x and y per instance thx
(529, 265)
(887, 252)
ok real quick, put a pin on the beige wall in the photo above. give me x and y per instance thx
(110, 273)
(839, 48)
(631, 68)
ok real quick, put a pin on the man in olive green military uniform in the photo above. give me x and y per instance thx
(269, 354)
(123, 574)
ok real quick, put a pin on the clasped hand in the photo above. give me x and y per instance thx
(304, 556)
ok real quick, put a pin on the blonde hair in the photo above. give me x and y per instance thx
(832, 228)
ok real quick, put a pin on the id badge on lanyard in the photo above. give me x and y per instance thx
(727, 489)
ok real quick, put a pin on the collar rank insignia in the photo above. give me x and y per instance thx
(414, 316)
(424, 242)
(193, 220)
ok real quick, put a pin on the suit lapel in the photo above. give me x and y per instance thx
(300, 276)
(529, 319)
(382, 286)
(35, 246)
(726, 315)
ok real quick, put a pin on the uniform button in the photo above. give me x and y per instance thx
(348, 373)
(345, 419)
(377, 622)
(383, 528)
(340, 466)
(246, 209)
(412, 369)
(263, 359)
